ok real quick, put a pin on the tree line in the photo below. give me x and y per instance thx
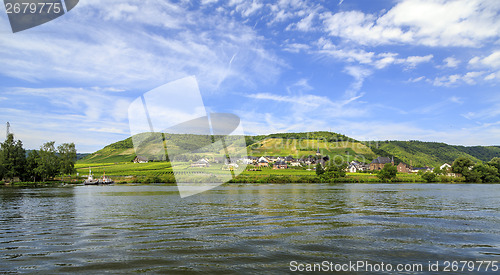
(480, 172)
(43, 164)
(463, 168)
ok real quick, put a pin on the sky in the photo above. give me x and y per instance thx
(373, 70)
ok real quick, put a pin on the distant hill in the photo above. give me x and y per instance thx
(417, 153)
(78, 155)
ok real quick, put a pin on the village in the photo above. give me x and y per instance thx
(254, 163)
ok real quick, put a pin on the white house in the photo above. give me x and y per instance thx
(356, 166)
(263, 162)
(263, 159)
(445, 166)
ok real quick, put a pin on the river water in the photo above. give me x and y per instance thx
(251, 229)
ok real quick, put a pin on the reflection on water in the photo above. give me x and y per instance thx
(244, 228)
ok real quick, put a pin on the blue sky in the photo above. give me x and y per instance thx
(373, 70)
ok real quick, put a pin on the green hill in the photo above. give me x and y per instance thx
(121, 151)
(434, 154)
(286, 144)
(298, 145)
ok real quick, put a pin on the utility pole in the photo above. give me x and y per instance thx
(8, 131)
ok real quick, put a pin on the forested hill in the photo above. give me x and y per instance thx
(417, 153)
(421, 153)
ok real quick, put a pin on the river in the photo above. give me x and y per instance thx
(251, 229)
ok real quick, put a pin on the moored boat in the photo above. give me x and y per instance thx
(105, 180)
(90, 179)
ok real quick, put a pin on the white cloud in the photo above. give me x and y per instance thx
(359, 27)
(456, 99)
(300, 85)
(295, 47)
(490, 64)
(418, 79)
(305, 24)
(451, 62)
(307, 106)
(348, 55)
(469, 78)
(422, 22)
(359, 74)
(492, 76)
(379, 61)
(208, 2)
(413, 61)
(307, 100)
(491, 61)
(246, 8)
(410, 62)
(284, 10)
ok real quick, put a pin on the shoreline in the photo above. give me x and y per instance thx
(67, 185)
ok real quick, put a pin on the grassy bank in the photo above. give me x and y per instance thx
(36, 184)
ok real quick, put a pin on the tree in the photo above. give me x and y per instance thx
(334, 169)
(429, 177)
(388, 172)
(67, 155)
(49, 161)
(495, 162)
(2, 168)
(33, 169)
(438, 171)
(472, 176)
(462, 165)
(484, 173)
(12, 158)
(319, 169)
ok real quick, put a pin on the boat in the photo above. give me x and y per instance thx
(105, 180)
(90, 179)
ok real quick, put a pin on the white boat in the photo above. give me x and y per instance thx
(90, 179)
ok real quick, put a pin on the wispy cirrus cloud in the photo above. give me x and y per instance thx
(377, 61)
(87, 116)
(126, 52)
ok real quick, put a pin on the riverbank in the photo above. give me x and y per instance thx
(248, 178)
